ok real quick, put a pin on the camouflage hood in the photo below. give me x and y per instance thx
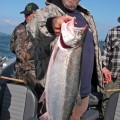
(51, 1)
(60, 5)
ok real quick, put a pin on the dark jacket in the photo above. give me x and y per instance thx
(22, 47)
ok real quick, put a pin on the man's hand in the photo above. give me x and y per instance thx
(107, 75)
(57, 22)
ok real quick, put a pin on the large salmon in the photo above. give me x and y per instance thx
(63, 75)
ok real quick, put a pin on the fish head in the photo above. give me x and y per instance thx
(80, 34)
(72, 35)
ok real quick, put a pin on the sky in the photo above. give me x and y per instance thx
(105, 13)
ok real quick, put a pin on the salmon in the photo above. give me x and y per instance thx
(63, 75)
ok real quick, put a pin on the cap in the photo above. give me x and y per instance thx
(118, 19)
(30, 8)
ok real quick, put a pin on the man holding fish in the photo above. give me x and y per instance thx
(45, 30)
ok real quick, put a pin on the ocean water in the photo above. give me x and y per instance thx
(5, 46)
(101, 44)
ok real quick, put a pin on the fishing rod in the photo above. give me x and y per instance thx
(13, 79)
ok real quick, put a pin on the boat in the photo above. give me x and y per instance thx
(26, 109)
(7, 67)
(17, 101)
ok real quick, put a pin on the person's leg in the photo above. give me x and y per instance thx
(80, 108)
(114, 84)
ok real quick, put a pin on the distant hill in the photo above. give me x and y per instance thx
(4, 34)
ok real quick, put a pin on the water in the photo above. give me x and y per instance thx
(5, 46)
(101, 44)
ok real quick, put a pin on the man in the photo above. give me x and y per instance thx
(111, 60)
(45, 27)
(21, 45)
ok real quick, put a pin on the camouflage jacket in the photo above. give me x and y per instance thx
(21, 45)
(43, 38)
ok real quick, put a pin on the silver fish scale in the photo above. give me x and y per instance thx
(72, 81)
(63, 84)
(63, 79)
